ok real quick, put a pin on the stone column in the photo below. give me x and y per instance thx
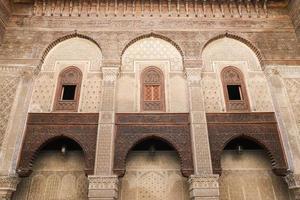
(286, 114)
(104, 185)
(8, 184)
(16, 83)
(293, 181)
(203, 184)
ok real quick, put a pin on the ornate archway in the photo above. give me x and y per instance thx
(172, 128)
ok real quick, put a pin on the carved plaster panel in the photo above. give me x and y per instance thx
(91, 93)
(259, 92)
(172, 127)
(211, 93)
(43, 92)
(151, 49)
(8, 88)
(43, 127)
(293, 90)
(261, 128)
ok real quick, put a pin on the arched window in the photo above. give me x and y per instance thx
(68, 90)
(152, 85)
(234, 88)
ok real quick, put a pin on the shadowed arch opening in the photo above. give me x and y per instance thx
(247, 170)
(153, 171)
(58, 172)
(244, 142)
(154, 143)
(56, 144)
(240, 39)
(59, 40)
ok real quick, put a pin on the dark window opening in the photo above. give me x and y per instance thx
(245, 144)
(57, 144)
(68, 92)
(158, 145)
(234, 92)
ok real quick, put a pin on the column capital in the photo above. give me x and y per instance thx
(204, 186)
(103, 187)
(8, 184)
(193, 76)
(110, 74)
(293, 181)
(271, 71)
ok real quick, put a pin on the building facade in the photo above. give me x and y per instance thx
(149, 100)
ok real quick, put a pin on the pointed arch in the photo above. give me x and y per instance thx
(240, 39)
(59, 40)
(166, 140)
(35, 151)
(254, 140)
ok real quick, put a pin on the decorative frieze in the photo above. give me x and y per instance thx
(151, 8)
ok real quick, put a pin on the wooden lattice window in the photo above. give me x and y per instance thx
(152, 95)
(236, 98)
(68, 90)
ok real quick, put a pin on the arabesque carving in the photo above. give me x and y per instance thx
(8, 87)
(173, 128)
(260, 127)
(44, 127)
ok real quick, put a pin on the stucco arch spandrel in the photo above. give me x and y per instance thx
(247, 42)
(172, 51)
(46, 51)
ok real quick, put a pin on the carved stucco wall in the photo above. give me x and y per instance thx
(293, 89)
(249, 176)
(229, 52)
(78, 52)
(55, 176)
(151, 51)
(153, 177)
(8, 88)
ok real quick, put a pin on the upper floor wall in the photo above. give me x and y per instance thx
(76, 52)
(225, 52)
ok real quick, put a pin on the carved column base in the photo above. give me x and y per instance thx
(293, 181)
(103, 187)
(8, 184)
(204, 187)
